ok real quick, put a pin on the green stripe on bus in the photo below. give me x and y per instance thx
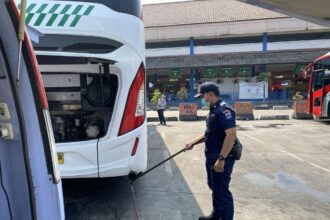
(42, 8)
(75, 21)
(77, 9)
(54, 8)
(88, 10)
(65, 9)
(30, 8)
(40, 19)
(28, 18)
(51, 20)
(64, 20)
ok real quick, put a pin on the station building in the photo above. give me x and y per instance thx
(226, 41)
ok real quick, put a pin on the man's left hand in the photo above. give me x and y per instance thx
(219, 166)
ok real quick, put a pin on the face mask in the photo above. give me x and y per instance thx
(205, 103)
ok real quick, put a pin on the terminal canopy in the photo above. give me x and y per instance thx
(316, 11)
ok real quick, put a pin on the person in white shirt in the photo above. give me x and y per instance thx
(160, 109)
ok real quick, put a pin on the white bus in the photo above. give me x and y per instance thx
(92, 59)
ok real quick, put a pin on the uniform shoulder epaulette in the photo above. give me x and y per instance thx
(223, 108)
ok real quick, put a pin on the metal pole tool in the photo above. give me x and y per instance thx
(133, 177)
(21, 29)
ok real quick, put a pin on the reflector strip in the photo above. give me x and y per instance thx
(136, 144)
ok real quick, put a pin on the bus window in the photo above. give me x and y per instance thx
(132, 7)
(318, 80)
(326, 77)
(76, 44)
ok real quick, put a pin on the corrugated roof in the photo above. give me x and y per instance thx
(203, 11)
(280, 57)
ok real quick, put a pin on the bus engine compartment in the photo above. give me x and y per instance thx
(80, 102)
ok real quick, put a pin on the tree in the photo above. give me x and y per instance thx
(182, 94)
(155, 96)
(264, 76)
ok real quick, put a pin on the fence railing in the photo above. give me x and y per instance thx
(273, 97)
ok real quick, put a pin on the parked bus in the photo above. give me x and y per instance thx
(30, 185)
(93, 66)
(319, 87)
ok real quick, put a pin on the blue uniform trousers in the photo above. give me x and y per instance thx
(222, 199)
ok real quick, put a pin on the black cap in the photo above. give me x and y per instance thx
(207, 87)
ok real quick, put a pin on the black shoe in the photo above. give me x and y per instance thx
(210, 217)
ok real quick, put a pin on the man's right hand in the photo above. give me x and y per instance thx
(189, 146)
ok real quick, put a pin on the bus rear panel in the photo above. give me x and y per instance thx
(93, 67)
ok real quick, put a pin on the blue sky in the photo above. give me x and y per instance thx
(159, 1)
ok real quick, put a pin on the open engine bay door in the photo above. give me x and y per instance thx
(30, 185)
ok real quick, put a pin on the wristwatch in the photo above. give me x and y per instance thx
(221, 157)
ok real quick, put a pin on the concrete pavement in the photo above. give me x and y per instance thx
(284, 174)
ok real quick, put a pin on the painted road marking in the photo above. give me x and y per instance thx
(253, 138)
(306, 161)
(291, 155)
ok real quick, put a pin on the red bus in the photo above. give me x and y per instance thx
(319, 87)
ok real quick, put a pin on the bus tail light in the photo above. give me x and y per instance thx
(135, 109)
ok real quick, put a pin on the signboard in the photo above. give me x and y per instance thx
(188, 109)
(253, 90)
(226, 71)
(209, 72)
(244, 71)
(175, 73)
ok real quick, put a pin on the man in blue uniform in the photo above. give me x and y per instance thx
(219, 139)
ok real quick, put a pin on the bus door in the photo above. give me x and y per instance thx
(326, 94)
(317, 92)
(308, 74)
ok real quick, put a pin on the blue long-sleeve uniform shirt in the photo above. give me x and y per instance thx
(219, 119)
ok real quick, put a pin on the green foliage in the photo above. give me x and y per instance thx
(264, 76)
(155, 96)
(182, 94)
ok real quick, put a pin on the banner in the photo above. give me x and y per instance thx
(253, 90)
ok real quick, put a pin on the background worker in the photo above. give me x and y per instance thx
(219, 139)
(161, 105)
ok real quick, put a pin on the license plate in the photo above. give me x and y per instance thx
(60, 158)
